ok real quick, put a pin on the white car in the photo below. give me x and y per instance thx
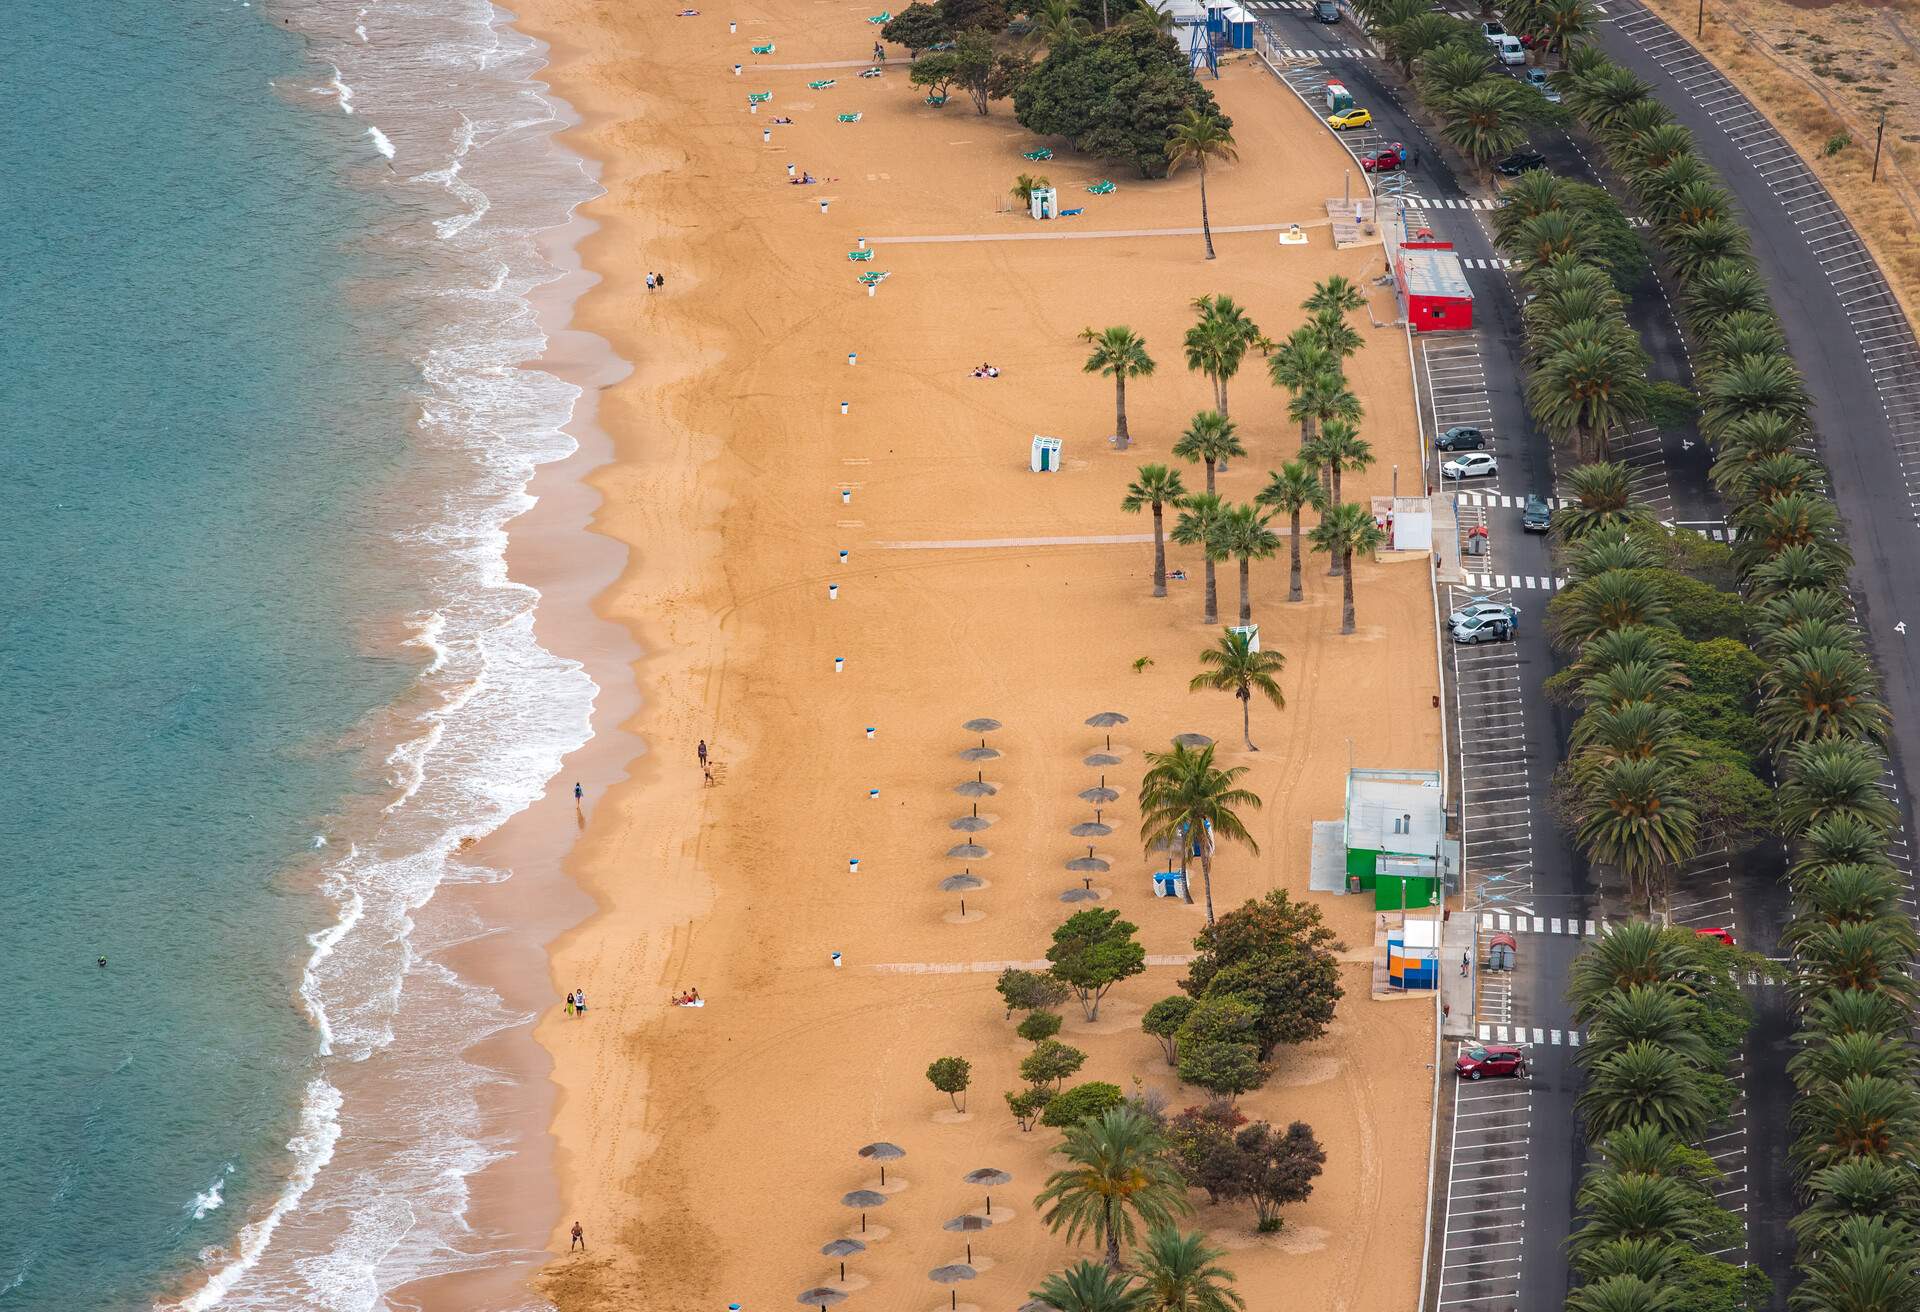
(1486, 628)
(1482, 609)
(1471, 464)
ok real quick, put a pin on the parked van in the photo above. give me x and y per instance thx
(1508, 50)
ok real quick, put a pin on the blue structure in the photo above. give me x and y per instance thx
(1200, 48)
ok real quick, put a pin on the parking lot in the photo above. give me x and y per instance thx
(1483, 1240)
(1496, 790)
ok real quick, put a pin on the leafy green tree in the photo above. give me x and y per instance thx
(1234, 666)
(1117, 95)
(1028, 1104)
(1094, 950)
(1291, 489)
(1701, 1283)
(1201, 1141)
(1732, 805)
(1120, 354)
(1210, 439)
(1082, 1102)
(1199, 526)
(1188, 802)
(1039, 1025)
(1277, 1170)
(1051, 1063)
(952, 1075)
(987, 17)
(1030, 990)
(938, 72)
(1279, 955)
(1156, 488)
(975, 64)
(1343, 531)
(917, 27)
(1089, 1287)
(1223, 1069)
(1164, 1019)
(1118, 1176)
(1181, 1273)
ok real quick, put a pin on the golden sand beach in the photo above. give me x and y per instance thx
(705, 1151)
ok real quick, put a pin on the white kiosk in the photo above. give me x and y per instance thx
(1043, 203)
(1046, 455)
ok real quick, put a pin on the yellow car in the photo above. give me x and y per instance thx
(1353, 118)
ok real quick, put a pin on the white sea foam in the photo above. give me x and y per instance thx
(319, 841)
(380, 142)
(209, 1199)
(339, 90)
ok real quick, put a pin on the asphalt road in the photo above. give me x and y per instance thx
(1870, 425)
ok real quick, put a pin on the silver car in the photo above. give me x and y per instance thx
(1482, 608)
(1487, 628)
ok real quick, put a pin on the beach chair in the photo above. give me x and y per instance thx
(850, 118)
(938, 46)
(1045, 152)
(822, 84)
(1102, 188)
(869, 277)
(875, 71)
(1074, 213)
(759, 97)
(860, 257)
(883, 16)
(936, 101)
(766, 49)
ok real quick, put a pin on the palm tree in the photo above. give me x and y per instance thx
(1673, 204)
(1410, 39)
(1335, 293)
(1218, 343)
(1857, 1186)
(1749, 385)
(1840, 893)
(1635, 731)
(1340, 447)
(1120, 354)
(1242, 532)
(1157, 487)
(1650, 1260)
(1833, 777)
(1766, 478)
(1326, 398)
(1599, 99)
(1850, 1011)
(1823, 693)
(1563, 21)
(1637, 952)
(1867, 1265)
(1117, 1173)
(1150, 17)
(1847, 1056)
(1649, 1150)
(1599, 501)
(1643, 1207)
(1533, 193)
(1331, 327)
(1843, 839)
(1791, 519)
(1795, 569)
(1635, 817)
(1586, 388)
(1180, 1273)
(1546, 237)
(1745, 332)
(1690, 247)
(1342, 531)
(1631, 683)
(1090, 1287)
(1612, 600)
(1631, 644)
(1293, 488)
(1055, 23)
(1723, 287)
(1796, 609)
(1647, 1084)
(1235, 666)
(1645, 1014)
(1871, 956)
(1303, 363)
(1654, 149)
(1200, 513)
(1864, 1116)
(1195, 139)
(1446, 70)
(1187, 801)
(1210, 439)
(1625, 1293)
(1600, 552)
(1486, 120)
(1025, 185)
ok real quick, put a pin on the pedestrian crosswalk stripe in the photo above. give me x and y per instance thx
(1506, 502)
(1502, 921)
(1484, 581)
(1518, 1034)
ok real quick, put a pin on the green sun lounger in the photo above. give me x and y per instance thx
(766, 49)
(882, 17)
(821, 85)
(869, 277)
(936, 101)
(759, 97)
(875, 71)
(1045, 152)
(1102, 188)
(860, 257)
(849, 118)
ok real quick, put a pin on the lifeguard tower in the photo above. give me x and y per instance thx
(1043, 203)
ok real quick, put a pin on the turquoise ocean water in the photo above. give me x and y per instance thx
(263, 424)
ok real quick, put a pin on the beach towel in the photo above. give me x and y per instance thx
(1074, 213)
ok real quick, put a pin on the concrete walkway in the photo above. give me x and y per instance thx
(1086, 236)
(831, 63)
(983, 544)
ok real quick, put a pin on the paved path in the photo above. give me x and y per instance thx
(995, 967)
(982, 544)
(831, 63)
(1086, 236)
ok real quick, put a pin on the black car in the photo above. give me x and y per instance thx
(1536, 517)
(1519, 162)
(1326, 11)
(1460, 438)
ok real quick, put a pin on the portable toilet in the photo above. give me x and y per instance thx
(1043, 203)
(1239, 28)
(1338, 97)
(1046, 455)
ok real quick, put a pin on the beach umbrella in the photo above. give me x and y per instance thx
(988, 1178)
(1089, 862)
(1091, 829)
(1101, 759)
(960, 883)
(863, 1199)
(821, 1298)
(1193, 740)
(1035, 1305)
(1101, 795)
(843, 1249)
(970, 824)
(966, 1225)
(981, 725)
(883, 1153)
(976, 787)
(952, 1275)
(967, 852)
(980, 753)
(1106, 720)
(1080, 895)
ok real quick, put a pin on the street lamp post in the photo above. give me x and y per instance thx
(1878, 133)
(1700, 22)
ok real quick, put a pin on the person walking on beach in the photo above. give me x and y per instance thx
(579, 1239)
(702, 749)
(580, 1001)
(569, 1004)
(1464, 959)
(578, 792)
(879, 53)
(649, 282)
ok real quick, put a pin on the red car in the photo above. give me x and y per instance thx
(1385, 161)
(1490, 1059)
(1724, 935)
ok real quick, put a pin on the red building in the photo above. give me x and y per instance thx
(1433, 286)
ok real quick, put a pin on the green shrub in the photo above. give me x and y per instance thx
(1039, 1025)
(1095, 1098)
